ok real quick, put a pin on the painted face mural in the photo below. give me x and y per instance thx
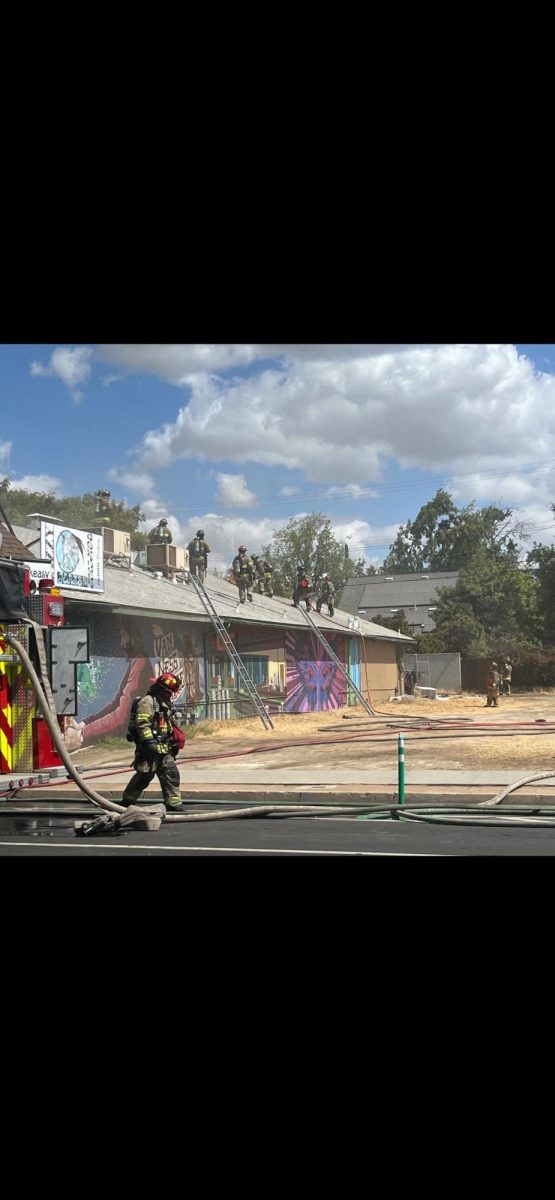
(126, 656)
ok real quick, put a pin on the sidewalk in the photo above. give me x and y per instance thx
(255, 783)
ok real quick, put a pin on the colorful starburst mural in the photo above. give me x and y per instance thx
(314, 683)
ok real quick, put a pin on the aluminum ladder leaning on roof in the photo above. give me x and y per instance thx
(334, 658)
(232, 652)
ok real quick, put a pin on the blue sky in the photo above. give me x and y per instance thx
(238, 438)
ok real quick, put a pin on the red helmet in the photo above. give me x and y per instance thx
(168, 683)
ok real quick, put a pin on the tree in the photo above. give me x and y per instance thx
(310, 541)
(397, 621)
(443, 537)
(79, 512)
(493, 599)
(541, 560)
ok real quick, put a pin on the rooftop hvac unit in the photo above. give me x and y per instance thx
(116, 541)
(162, 555)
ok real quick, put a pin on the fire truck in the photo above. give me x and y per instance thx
(37, 621)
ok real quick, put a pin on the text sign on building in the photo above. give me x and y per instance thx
(39, 570)
(77, 557)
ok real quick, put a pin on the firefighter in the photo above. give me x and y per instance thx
(157, 744)
(507, 675)
(243, 571)
(103, 507)
(303, 588)
(326, 594)
(198, 552)
(264, 572)
(493, 686)
(161, 534)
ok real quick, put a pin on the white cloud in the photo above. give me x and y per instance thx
(71, 366)
(289, 491)
(431, 407)
(234, 493)
(351, 491)
(175, 363)
(138, 481)
(39, 483)
(5, 451)
(370, 542)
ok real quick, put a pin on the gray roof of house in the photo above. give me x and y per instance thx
(414, 593)
(12, 546)
(137, 592)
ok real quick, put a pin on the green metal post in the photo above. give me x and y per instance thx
(401, 773)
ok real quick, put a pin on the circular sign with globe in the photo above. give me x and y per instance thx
(67, 551)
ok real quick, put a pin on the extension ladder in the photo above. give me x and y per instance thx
(231, 651)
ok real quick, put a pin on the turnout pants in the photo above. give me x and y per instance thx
(166, 770)
(244, 583)
(302, 594)
(197, 568)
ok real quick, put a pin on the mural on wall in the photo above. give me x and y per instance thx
(126, 654)
(314, 684)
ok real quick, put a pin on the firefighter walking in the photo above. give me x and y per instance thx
(158, 740)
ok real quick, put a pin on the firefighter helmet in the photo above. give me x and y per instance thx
(163, 521)
(168, 684)
(242, 550)
(199, 533)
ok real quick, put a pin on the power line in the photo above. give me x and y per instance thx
(345, 492)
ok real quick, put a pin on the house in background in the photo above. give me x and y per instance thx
(416, 594)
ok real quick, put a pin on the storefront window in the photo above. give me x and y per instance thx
(263, 655)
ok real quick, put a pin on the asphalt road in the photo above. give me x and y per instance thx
(277, 836)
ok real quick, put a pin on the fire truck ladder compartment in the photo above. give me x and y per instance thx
(230, 648)
(353, 687)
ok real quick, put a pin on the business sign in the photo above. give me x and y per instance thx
(39, 570)
(77, 557)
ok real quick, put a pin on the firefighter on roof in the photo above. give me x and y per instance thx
(198, 555)
(161, 534)
(243, 570)
(264, 571)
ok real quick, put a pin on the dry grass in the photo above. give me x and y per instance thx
(302, 724)
(450, 750)
(535, 752)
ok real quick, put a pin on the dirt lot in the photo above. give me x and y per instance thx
(513, 735)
